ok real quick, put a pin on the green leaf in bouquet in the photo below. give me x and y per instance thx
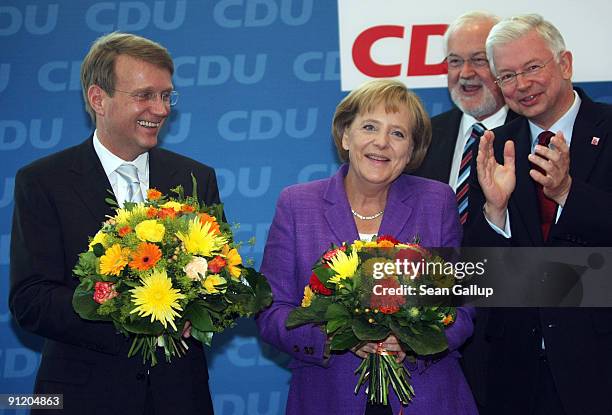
(261, 289)
(98, 250)
(337, 311)
(87, 264)
(365, 331)
(199, 317)
(427, 343)
(314, 314)
(205, 337)
(84, 304)
(324, 274)
(343, 340)
(143, 325)
(336, 324)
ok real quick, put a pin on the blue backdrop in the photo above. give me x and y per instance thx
(258, 83)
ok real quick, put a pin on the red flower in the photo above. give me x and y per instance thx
(387, 303)
(389, 309)
(216, 264)
(317, 286)
(187, 209)
(104, 291)
(332, 252)
(124, 230)
(387, 238)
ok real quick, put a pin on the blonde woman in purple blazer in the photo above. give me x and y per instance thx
(380, 130)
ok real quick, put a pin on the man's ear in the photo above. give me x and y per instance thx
(96, 97)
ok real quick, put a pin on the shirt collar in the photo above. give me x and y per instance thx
(491, 122)
(565, 124)
(111, 162)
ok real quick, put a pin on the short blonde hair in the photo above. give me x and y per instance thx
(394, 95)
(98, 67)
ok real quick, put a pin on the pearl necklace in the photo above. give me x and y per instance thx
(362, 217)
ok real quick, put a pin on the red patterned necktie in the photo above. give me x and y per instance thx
(463, 180)
(548, 207)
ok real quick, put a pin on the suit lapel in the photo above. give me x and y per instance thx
(583, 150)
(400, 213)
(445, 141)
(162, 174)
(90, 183)
(337, 211)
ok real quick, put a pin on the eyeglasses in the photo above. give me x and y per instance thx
(509, 79)
(456, 62)
(168, 97)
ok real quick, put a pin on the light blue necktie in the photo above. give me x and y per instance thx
(129, 173)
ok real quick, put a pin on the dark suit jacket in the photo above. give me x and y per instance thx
(439, 159)
(59, 202)
(578, 341)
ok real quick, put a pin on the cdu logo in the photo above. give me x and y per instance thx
(133, 16)
(317, 66)
(230, 181)
(58, 76)
(35, 20)
(218, 69)
(5, 74)
(15, 133)
(19, 362)
(234, 14)
(243, 125)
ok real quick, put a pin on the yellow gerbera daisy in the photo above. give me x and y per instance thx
(344, 266)
(200, 239)
(233, 259)
(114, 260)
(157, 298)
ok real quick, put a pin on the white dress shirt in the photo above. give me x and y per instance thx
(111, 162)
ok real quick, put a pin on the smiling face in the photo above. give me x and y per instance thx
(379, 146)
(543, 96)
(472, 88)
(126, 126)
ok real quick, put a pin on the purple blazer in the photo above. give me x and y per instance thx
(311, 216)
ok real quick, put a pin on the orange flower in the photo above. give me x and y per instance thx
(214, 226)
(187, 209)
(216, 264)
(153, 194)
(145, 257)
(124, 230)
(447, 320)
(151, 212)
(385, 244)
(166, 213)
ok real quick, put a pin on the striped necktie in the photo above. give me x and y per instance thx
(463, 181)
(129, 173)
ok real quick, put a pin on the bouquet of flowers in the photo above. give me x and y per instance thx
(359, 293)
(156, 267)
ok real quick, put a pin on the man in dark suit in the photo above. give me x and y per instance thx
(59, 202)
(533, 193)
(472, 89)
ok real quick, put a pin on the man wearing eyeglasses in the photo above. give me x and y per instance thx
(477, 98)
(544, 180)
(60, 201)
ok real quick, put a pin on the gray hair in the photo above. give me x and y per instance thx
(516, 27)
(465, 19)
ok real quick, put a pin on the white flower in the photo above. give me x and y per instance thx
(196, 269)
